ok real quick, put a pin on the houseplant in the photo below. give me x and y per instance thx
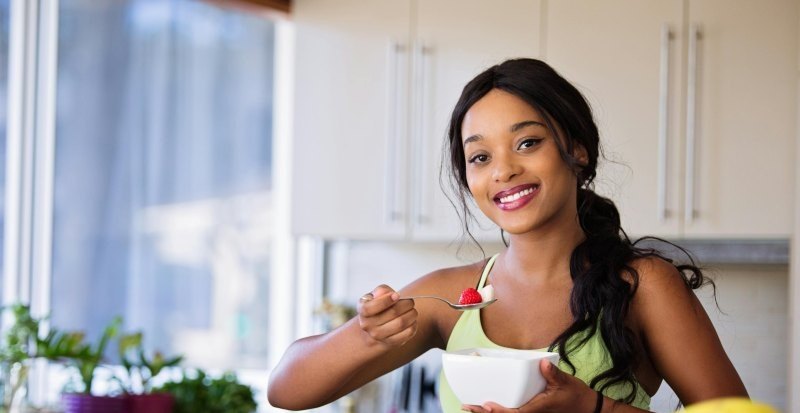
(72, 348)
(17, 348)
(139, 371)
(196, 392)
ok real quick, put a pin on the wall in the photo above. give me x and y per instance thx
(793, 378)
(751, 324)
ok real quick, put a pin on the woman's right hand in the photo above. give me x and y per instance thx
(385, 318)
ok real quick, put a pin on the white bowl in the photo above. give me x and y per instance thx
(505, 376)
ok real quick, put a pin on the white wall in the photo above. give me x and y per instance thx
(753, 328)
(754, 300)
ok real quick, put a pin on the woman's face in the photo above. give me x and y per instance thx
(513, 167)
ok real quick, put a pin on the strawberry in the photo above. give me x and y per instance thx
(470, 296)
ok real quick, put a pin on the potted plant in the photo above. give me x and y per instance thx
(71, 348)
(139, 372)
(17, 348)
(199, 393)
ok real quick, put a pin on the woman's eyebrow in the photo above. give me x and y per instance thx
(514, 128)
(472, 138)
(517, 126)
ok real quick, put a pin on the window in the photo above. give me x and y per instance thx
(163, 175)
(145, 172)
(4, 36)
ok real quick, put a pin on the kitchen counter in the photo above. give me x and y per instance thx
(737, 252)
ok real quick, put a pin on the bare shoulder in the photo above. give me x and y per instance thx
(668, 315)
(448, 282)
(657, 276)
(661, 288)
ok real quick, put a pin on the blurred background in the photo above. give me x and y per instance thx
(231, 175)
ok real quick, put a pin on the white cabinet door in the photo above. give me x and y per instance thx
(746, 112)
(615, 52)
(349, 143)
(456, 40)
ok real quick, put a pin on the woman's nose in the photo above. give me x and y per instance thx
(505, 168)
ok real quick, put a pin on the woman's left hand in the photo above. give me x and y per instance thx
(563, 393)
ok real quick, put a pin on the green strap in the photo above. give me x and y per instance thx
(486, 270)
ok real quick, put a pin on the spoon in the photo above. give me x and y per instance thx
(459, 307)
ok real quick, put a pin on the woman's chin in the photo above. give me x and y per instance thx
(518, 229)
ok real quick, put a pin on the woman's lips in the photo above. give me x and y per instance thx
(518, 199)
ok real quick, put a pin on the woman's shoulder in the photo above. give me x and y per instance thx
(449, 281)
(661, 289)
(656, 274)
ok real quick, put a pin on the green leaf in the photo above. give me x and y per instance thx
(204, 394)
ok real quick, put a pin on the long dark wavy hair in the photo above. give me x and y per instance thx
(601, 294)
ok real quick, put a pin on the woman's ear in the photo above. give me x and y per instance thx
(581, 155)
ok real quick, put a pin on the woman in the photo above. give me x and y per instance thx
(523, 144)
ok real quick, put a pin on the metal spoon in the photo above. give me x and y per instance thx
(459, 307)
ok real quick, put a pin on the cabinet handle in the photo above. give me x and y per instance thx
(691, 122)
(421, 54)
(663, 118)
(395, 108)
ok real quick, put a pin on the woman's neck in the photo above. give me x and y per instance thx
(543, 255)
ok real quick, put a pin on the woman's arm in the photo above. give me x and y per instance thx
(385, 335)
(679, 338)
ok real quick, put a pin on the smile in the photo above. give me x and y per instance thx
(516, 197)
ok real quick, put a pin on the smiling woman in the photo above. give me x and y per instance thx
(514, 135)
(523, 144)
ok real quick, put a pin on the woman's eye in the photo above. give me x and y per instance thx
(478, 159)
(530, 143)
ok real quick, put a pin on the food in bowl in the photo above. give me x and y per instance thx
(508, 377)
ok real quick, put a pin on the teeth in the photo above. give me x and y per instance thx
(518, 195)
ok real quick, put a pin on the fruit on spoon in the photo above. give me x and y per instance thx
(487, 293)
(470, 296)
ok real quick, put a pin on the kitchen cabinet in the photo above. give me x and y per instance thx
(696, 102)
(375, 84)
(746, 118)
(350, 101)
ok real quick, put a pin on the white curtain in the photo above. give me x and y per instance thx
(163, 171)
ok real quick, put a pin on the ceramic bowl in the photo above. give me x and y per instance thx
(505, 376)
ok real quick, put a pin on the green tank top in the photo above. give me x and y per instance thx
(590, 359)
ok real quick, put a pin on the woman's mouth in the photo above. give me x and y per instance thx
(516, 197)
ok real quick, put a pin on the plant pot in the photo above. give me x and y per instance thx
(84, 403)
(151, 403)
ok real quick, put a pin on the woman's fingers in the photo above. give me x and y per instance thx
(403, 336)
(385, 307)
(386, 318)
(563, 393)
(492, 407)
(387, 324)
(552, 374)
(399, 323)
(379, 299)
(478, 409)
